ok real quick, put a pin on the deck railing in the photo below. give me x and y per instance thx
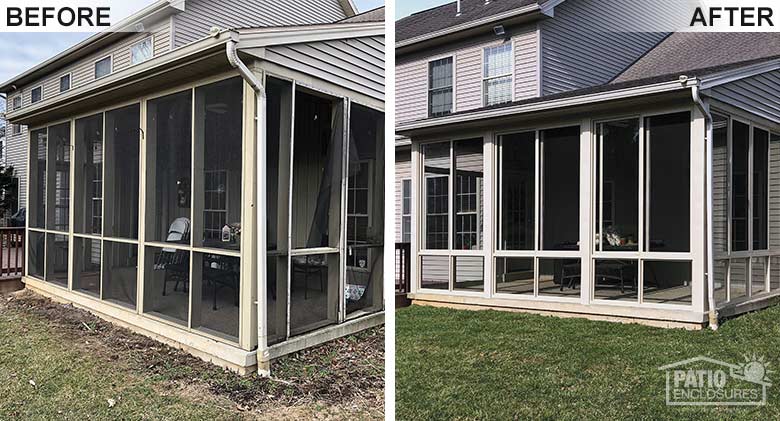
(403, 271)
(11, 252)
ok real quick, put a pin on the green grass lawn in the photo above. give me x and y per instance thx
(453, 364)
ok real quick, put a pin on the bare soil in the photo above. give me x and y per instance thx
(340, 379)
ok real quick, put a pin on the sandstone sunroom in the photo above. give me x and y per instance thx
(225, 196)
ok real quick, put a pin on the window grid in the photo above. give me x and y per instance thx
(215, 209)
(440, 83)
(497, 75)
(406, 211)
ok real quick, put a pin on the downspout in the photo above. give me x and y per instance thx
(710, 143)
(260, 203)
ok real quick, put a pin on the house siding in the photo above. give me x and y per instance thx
(757, 94)
(16, 156)
(412, 75)
(356, 63)
(579, 47)
(201, 15)
(403, 171)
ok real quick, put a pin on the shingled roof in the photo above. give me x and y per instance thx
(444, 16)
(374, 15)
(696, 54)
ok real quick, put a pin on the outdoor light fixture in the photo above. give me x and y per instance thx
(499, 30)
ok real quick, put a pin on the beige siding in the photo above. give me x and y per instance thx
(403, 171)
(468, 78)
(16, 156)
(720, 209)
(526, 47)
(83, 71)
(411, 91)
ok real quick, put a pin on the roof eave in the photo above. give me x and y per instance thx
(156, 10)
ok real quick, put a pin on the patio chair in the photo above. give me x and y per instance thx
(221, 273)
(174, 262)
(310, 266)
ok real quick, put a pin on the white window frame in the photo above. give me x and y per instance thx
(429, 89)
(150, 38)
(31, 94)
(406, 212)
(14, 102)
(110, 58)
(510, 74)
(69, 75)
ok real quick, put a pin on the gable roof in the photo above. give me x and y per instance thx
(374, 15)
(696, 54)
(444, 17)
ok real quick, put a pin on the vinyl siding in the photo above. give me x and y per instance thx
(412, 75)
(720, 208)
(83, 71)
(356, 63)
(774, 193)
(758, 94)
(201, 15)
(403, 171)
(579, 49)
(16, 156)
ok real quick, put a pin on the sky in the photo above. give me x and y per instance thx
(405, 8)
(22, 51)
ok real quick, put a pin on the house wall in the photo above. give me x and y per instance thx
(403, 171)
(757, 94)
(201, 15)
(16, 156)
(356, 63)
(412, 73)
(580, 48)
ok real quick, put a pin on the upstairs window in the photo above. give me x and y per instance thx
(103, 67)
(497, 75)
(65, 82)
(142, 51)
(16, 128)
(36, 94)
(440, 87)
(17, 102)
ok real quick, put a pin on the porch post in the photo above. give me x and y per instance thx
(698, 211)
(415, 216)
(586, 211)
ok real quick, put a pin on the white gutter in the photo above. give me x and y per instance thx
(710, 276)
(260, 203)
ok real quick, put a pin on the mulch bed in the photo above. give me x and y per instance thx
(340, 372)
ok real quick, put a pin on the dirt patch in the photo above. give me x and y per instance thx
(344, 378)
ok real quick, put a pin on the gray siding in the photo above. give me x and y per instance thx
(357, 63)
(83, 71)
(201, 15)
(774, 193)
(412, 76)
(403, 171)
(580, 47)
(16, 156)
(758, 94)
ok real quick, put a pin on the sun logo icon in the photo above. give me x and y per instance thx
(754, 369)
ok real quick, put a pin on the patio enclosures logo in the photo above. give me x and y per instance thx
(704, 381)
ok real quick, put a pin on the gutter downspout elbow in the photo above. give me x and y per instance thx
(710, 143)
(260, 201)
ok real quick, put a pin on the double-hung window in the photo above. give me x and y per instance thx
(440, 87)
(497, 75)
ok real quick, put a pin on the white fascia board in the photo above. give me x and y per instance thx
(579, 100)
(349, 7)
(264, 37)
(468, 25)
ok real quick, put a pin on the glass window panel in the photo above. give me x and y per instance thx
(560, 277)
(87, 258)
(616, 280)
(469, 182)
(498, 60)
(314, 293)
(168, 168)
(120, 273)
(219, 144)
(36, 95)
(122, 172)
(435, 271)
(667, 282)
(317, 169)
(758, 270)
(469, 273)
(517, 181)
(440, 87)
(721, 287)
(437, 176)
(88, 196)
(740, 152)
(365, 221)
(618, 178)
(38, 158)
(167, 283)
(440, 74)
(64, 83)
(141, 51)
(720, 183)
(57, 259)
(738, 278)
(216, 292)
(103, 67)
(760, 188)
(35, 254)
(560, 205)
(59, 144)
(498, 90)
(515, 275)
